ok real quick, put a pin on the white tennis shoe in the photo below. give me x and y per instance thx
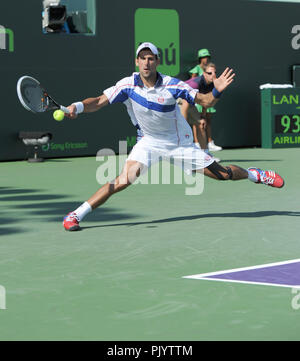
(213, 147)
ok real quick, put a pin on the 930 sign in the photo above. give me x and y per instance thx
(286, 123)
(280, 117)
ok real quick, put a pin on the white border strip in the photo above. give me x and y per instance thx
(204, 275)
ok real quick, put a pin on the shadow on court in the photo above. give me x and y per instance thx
(55, 211)
(10, 225)
(38, 206)
(203, 216)
(5, 231)
(7, 221)
(11, 222)
(4, 191)
(32, 197)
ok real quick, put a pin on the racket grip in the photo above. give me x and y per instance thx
(64, 109)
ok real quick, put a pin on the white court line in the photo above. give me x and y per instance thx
(204, 275)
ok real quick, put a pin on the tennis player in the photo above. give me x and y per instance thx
(150, 98)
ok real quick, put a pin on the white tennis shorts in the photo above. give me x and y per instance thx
(188, 157)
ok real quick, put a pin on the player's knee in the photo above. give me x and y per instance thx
(222, 176)
(220, 173)
(119, 184)
(126, 178)
(227, 174)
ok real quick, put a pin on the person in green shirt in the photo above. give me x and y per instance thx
(203, 58)
(206, 114)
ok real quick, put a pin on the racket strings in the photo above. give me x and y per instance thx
(34, 97)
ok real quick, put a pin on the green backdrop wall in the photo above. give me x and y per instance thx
(255, 38)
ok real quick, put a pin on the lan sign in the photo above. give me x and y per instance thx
(280, 118)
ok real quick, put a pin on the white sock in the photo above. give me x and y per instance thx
(83, 210)
(252, 176)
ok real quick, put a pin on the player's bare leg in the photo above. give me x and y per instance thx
(211, 144)
(231, 172)
(195, 135)
(201, 133)
(234, 172)
(201, 129)
(129, 174)
(208, 127)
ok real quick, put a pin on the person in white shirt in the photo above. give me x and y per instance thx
(150, 98)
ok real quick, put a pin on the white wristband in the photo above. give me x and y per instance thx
(79, 107)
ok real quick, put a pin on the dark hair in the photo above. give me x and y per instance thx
(206, 56)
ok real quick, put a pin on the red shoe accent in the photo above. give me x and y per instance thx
(71, 222)
(268, 177)
(272, 179)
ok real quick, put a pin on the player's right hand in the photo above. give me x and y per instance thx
(73, 114)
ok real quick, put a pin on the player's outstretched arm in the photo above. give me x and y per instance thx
(88, 105)
(220, 84)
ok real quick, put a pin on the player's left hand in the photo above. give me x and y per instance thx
(224, 80)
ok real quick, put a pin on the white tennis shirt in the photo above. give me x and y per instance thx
(154, 111)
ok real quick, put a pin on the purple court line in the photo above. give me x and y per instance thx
(281, 274)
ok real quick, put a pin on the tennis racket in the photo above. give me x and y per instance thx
(35, 98)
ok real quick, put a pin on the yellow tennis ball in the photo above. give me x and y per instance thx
(58, 115)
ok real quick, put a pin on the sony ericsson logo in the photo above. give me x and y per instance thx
(64, 147)
(6, 39)
(165, 35)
